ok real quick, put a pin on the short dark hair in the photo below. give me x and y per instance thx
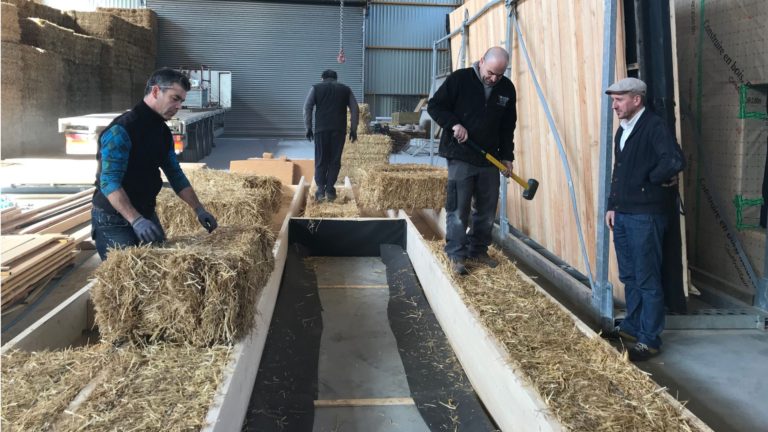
(329, 73)
(165, 78)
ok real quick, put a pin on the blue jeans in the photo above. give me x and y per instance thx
(465, 182)
(111, 230)
(638, 241)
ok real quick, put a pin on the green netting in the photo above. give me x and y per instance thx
(741, 203)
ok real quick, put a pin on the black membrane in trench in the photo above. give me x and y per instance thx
(286, 383)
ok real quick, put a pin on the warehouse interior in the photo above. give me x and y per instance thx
(297, 314)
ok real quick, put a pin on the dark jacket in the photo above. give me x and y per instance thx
(491, 124)
(330, 100)
(651, 156)
(151, 141)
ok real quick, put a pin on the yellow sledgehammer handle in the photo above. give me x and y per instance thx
(498, 164)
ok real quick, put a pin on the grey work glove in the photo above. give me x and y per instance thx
(310, 134)
(146, 230)
(206, 219)
(353, 135)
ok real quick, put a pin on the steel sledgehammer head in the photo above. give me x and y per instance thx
(530, 191)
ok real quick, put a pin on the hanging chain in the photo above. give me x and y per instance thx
(341, 57)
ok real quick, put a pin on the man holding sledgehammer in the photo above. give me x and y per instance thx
(476, 103)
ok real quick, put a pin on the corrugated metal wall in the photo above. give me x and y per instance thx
(398, 64)
(275, 51)
(91, 5)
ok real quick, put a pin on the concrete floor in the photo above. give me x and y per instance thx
(359, 358)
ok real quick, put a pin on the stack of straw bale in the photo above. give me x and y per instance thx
(584, 382)
(407, 186)
(197, 290)
(146, 18)
(234, 199)
(159, 387)
(343, 207)
(32, 9)
(369, 150)
(10, 31)
(363, 125)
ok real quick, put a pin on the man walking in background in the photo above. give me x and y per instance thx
(643, 191)
(329, 100)
(476, 103)
(132, 150)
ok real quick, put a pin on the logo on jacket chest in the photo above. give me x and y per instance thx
(502, 101)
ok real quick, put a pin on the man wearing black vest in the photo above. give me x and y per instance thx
(476, 103)
(329, 100)
(647, 160)
(132, 150)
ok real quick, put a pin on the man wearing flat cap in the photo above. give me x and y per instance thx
(647, 160)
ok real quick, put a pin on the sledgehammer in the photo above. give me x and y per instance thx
(529, 188)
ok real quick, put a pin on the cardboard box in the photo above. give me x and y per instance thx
(282, 169)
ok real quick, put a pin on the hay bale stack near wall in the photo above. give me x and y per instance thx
(363, 125)
(146, 18)
(146, 388)
(106, 25)
(10, 31)
(11, 74)
(408, 186)
(38, 385)
(31, 9)
(197, 290)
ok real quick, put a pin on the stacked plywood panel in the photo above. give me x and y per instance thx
(58, 217)
(30, 259)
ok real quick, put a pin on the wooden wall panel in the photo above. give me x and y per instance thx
(565, 43)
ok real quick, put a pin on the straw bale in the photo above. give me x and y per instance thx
(10, 31)
(83, 89)
(369, 144)
(146, 18)
(198, 290)
(115, 89)
(106, 25)
(63, 41)
(244, 208)
(223, 181)
(363, 125)
(406, 186)
(155, 388)
(125, 55)
(343, 207)
(585, 383)
(31, 9)
(37, 385)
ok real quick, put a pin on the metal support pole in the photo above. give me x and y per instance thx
(761, 295)
(463, 58)
(602, 296)
(432, 122)
(503, 219)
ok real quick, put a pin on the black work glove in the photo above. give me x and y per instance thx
(310, 134)
(206, 219)
(146, 230)
(353, 135)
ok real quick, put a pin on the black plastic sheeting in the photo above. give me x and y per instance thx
(434, 374)
(286, 383)
(329, 237)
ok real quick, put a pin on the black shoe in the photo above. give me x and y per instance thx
(484, 259)
(642, 352)
(458, 267)
(330, 194)
(618, 334)
(319, 196)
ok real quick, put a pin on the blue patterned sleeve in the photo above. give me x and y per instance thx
(115, 150)
(173, 172)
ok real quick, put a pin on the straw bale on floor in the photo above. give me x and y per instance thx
(406, 186)
(10, 31)
(156, 387)
(343, 207)
(223, 181)
(37, 385)
(198, 290)
(584, 382)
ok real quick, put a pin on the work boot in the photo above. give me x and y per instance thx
(458, 267)
(319, 196)
(330, 194)
(618, 334)
(642, 352)
(484, 259)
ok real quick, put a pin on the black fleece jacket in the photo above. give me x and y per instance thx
(490, 124)
(651, 156)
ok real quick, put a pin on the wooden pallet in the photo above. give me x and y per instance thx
(28, 259)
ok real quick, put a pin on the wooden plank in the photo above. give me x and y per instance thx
(69, 223)
(50, 221)
(338, 403)
(9, 242)
(45, 253)
(33, 244)
(231, 401)
(23, 281)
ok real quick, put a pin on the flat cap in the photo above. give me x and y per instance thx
(627, 85)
